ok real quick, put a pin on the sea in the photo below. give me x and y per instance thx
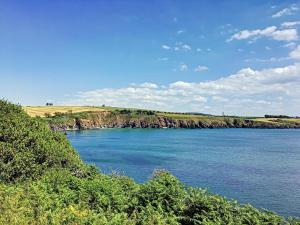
(256, 166)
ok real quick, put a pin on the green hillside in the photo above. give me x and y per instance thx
(43, 181)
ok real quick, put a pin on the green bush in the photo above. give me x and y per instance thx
(28, 147)
(163, 191)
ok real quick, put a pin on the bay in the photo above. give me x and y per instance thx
(256, 166)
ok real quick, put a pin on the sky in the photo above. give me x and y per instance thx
(236, 57)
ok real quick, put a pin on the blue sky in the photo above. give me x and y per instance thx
(241, 57)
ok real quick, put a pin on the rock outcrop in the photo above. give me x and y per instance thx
(114, 120)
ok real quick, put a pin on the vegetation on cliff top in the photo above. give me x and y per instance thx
(43, 181)
(72, 117)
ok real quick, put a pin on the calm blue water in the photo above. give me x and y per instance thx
(258, 166)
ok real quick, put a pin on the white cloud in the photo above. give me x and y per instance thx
(267, 48)
(182, 46)
(263, 102)
(285, 35)
(200, 99)
(200, 69)
(270, 32)
(219, 99)
(179, 46)
(148, 85)
(181, 85)
(183, 67)
(290, 24)
(180, 31)
(272, 59)
(199, 50)
(245, 34)
(286, 11)
(166, 47)
(295, 54)
(247, 92)
(186, 47)
(290, 45)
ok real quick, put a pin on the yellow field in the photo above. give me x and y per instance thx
(41, 110)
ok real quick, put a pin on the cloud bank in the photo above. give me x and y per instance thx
(290, 24)
(295, 54)
(286, 11)
(247, 92)
(270, 32)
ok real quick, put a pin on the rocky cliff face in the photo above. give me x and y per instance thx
(113, 120)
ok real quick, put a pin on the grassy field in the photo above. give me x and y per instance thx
(185, 116)
(42, 110)
(51, 110)
(277, 120)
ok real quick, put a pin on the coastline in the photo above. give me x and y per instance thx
(165, 123)
(63, 118)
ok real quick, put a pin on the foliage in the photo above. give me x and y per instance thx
(277, 116)
(43, 181)
(28, 147)
(145, 112)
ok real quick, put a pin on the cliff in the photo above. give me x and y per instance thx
(106, 119)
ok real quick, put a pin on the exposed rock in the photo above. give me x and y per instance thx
(114, 120)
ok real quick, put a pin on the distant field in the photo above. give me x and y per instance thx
(276, 120)
(183, 116)
(41, 110)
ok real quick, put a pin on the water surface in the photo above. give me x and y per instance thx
(257, 166)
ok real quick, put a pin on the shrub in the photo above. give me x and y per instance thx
(163, 191)
(28, 147)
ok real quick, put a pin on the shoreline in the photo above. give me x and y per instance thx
(61, 129)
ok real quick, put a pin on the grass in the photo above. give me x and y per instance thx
(51, 110)
(188, 116)
(34, 111)
(42, 110)
(277, 120)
